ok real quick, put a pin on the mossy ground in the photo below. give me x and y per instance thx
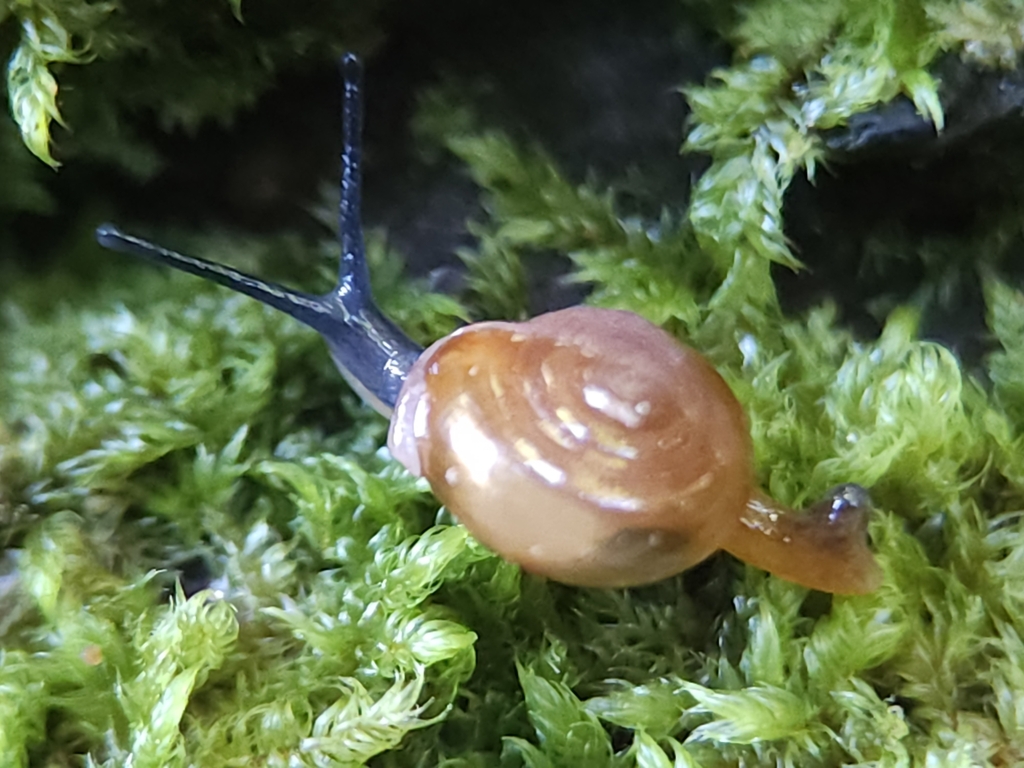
(209, 560)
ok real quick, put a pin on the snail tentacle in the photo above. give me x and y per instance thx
(304, 307)
(371, 352)
(352, 269)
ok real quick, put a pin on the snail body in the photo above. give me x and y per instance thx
(587, 445)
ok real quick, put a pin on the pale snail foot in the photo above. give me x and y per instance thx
(823, 548)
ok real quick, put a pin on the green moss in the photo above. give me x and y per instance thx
(155, 432)
(91, 66)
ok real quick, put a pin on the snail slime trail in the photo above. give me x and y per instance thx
(587, 445)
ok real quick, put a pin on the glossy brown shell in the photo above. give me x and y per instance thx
(587, 445)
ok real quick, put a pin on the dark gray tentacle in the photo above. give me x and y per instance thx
(371, 351)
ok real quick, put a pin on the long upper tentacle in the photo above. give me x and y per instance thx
(371, 351)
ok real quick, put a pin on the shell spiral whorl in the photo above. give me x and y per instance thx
(578, 444)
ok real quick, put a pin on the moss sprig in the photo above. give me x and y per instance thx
(51, 34)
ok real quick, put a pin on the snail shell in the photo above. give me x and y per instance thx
(587, 445)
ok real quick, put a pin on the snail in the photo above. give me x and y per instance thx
(587, 445)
